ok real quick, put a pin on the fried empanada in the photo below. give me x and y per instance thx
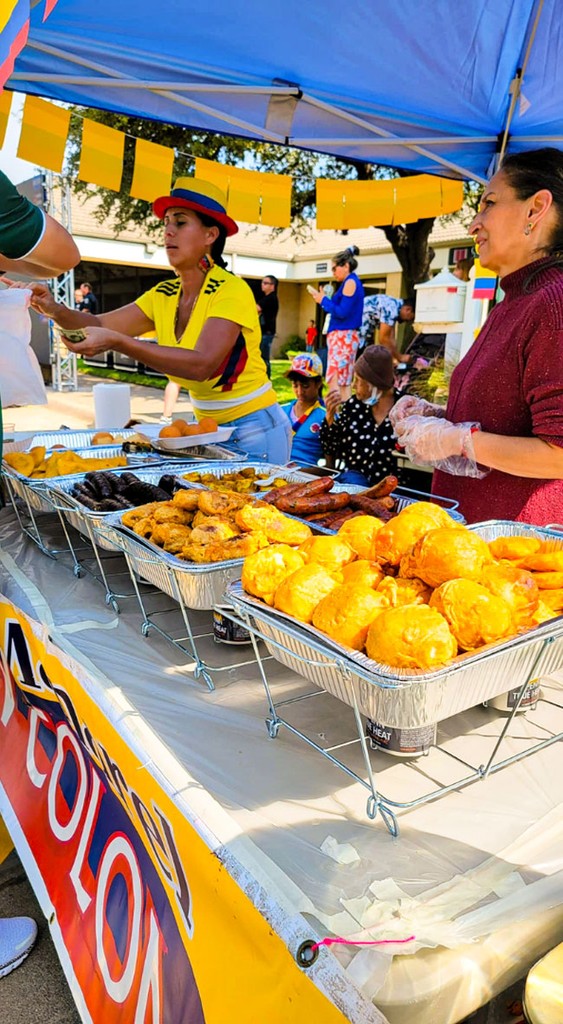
(544, 561)
(359, 533)
(171, 537)
(400, 591)
(513, 548)
(330, 552)
(133, 515)
(220, 503)
(346, 613)
(474, 615)
(299, 594)
(412, 636)
(186, 499)
(277, 527)
(443, 555)
(263, 571)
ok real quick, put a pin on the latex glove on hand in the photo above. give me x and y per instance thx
(411, 405)
(435, 442)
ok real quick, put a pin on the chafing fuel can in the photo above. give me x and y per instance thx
(401, 742)
(225, 631)
(507, 701)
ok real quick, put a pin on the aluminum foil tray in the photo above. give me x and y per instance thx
(93, 524)
(219, 470)
(200, 453)
(70, 438)
(199, 585)
(36, 492)
(401, 699)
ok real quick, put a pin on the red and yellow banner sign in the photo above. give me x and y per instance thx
(154, 928)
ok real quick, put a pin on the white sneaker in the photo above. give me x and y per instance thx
(165, 420)
(17, 936)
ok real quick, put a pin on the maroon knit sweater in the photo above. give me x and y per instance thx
(511, 382)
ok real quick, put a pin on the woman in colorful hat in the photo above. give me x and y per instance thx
(357, 435)
(205, 320)
(306, 412)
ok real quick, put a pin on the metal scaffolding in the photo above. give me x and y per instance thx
(63, 362)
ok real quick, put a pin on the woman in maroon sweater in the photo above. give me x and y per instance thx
(502, 435)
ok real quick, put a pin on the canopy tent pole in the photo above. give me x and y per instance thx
(111, 75)
(384, 134)
(516, 84)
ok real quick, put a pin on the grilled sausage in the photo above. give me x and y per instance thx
(320, 485)
(382, 488)
(380, 507)
(316, 503)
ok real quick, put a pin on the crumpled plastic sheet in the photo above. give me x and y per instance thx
(473, 861)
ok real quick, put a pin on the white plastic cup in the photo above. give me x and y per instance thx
(112, 405)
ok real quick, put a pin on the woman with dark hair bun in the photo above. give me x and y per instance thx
(499, 449)
(345, 308)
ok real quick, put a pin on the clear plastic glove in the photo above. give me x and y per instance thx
(435, 442)
(411, 405)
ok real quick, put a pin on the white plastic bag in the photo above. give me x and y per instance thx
(21, 382)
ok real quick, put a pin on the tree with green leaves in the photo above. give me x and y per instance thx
(410, 242)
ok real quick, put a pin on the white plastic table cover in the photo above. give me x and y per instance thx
(476, 876)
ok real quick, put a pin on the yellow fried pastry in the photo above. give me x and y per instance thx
(397, 537)
(400, 591)
(474, 615)
(544, 561)
(543, 613)
(20, 462)
(133, 515)
(346, 613)
(518, 587)
(240, 546)
(553, 599)
(299, 594)
(277, 527)
(411, 636)
(368, 574)
(330, 552)
(167, 512)
(220, 503)
(186, 499)
(548, 580)
(443, 555)
(359, 532)
(214, 529)
(144, 527)
(513, 548)
(38, 454)
(171, 537)
(263, 571)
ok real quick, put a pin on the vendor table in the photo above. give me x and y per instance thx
(475, 877)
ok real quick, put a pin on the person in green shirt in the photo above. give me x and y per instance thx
(32, 243)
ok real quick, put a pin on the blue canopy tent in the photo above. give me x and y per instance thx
(439, 87)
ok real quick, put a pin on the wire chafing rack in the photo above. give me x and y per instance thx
(401, 699)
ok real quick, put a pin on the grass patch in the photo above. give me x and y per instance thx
(281, 385)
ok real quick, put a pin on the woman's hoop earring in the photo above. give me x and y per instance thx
(206, 263)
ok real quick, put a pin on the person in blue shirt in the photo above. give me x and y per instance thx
(345, 308)
(307, 412)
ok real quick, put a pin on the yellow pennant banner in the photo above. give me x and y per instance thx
(5, 107)
(44, 133)
(152, 175)
(362, 204)
(255, 197)
(101, 155)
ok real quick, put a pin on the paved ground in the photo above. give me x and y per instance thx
(36, 993)
(76, 408)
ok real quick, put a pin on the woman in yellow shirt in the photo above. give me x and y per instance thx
(205, 320)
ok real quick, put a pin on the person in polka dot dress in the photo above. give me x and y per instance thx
(357, 435)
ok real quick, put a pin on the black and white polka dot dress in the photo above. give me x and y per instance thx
(356, 441)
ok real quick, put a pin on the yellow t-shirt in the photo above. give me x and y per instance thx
(240, 384)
